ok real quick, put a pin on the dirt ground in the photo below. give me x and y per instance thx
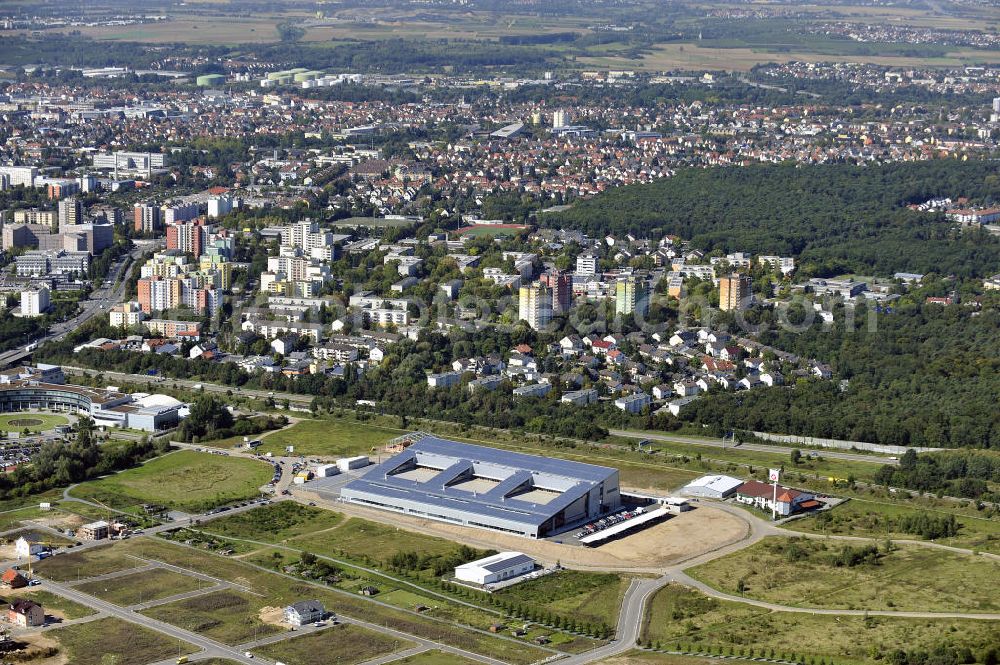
(273, 615)
(37, 641)
(668, 543)
(60, 520)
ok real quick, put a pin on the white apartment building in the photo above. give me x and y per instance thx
(126, 315)
(20, 175)
(219, 206)
(305, 235)
(34, 302)
(586, 264)
(137, 162)
(171, 213)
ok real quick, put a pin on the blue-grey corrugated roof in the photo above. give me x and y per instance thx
(556, 467)
(508, 563)
(576, 479)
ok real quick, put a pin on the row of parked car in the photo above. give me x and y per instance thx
(609, 521)
(253, 502)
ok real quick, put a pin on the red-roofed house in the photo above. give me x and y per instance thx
(12, 579)
(601, 346)
(710, 364)
(761, 495)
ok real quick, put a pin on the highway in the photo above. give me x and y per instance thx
(110, 293)
(306, 400)
(759, 447)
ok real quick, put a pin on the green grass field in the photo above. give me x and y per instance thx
(329, 438)
(12, 518)
(142, 587)
(327, 533)
(823, 466)
(227, 616)
(184, 480)
(362, 540)
(275, 523)
(54, 604)
(803, 572)
(343, 644)
(877, 519)
(36, 422)
(490, 231)
(87, 563)
(678, 616)
(583, 596)
(115, 641)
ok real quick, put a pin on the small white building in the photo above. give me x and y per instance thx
(496, 568)
(327, 470)
(633, 403)
(346, 464)
(443, 380)
(304, 612)
(25, 548)
(712, 487)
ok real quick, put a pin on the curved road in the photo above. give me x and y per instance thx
(637, 597)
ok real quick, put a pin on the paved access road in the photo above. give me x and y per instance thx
(210, 648)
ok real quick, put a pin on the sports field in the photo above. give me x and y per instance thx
(184, 480)
(491, 230)
(36, 422)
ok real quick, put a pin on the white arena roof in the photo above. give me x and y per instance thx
(722, 484)
(157, 400)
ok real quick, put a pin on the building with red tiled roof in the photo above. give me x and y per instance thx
(762, 495)
(13, 579)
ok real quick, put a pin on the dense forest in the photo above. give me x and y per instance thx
(835, 218)
(924, 375)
